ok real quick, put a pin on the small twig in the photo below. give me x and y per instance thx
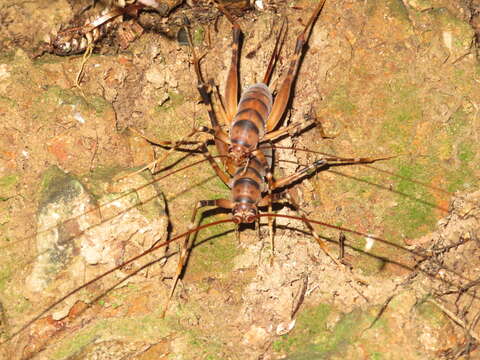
(95, 150)
(455, 319)
(380, 313)
(81, 72)
(341, 243)
(300, 297)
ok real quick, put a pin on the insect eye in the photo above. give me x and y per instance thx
(250, 218)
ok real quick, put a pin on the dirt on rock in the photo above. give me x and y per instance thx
(394, 79)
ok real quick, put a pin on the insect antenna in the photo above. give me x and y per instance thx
(104, 220)
(106, 273)
(418, 254)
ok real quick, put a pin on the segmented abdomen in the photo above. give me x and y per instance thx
(249, 182)
(74, 40)
(248, 125)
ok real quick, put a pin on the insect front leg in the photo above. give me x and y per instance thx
(225, 177)
(269, 199)
(299, 211)
(264, 155)
(276, 184)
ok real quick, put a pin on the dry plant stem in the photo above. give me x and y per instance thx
(87, 54)
(323, 245)
(456, 319)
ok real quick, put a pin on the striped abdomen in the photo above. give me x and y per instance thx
(248, 183)
(248, 125)
(74, 40)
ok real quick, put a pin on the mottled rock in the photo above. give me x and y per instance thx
(83, 232)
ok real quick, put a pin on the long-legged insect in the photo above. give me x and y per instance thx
(251, 189)
(254, 118)
(248, 164)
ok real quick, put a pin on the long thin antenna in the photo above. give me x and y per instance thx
(376, 238)
(108, 203)
(152, 249)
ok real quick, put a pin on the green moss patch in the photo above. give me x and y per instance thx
(312, 338)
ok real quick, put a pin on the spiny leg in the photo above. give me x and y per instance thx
(323, 246)
(287, 180)
(276, 197)
(225, 177)
(298, 125)
(183, 255)
(263, 155)
(312, 116)
(173, 145)
(276, 184)
(231, 88)
(268, 200)
(276, 52)
(270, 184)
(270, 227)
(324, 162)
(220, 173)
(301, 213)
(308, 120)
(188, 242)
(220, 137)
(281, 100)
(222, 112)
(271, 233)
(202, 87)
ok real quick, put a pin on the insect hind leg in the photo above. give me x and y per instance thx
(231, 88)
(281, 101)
